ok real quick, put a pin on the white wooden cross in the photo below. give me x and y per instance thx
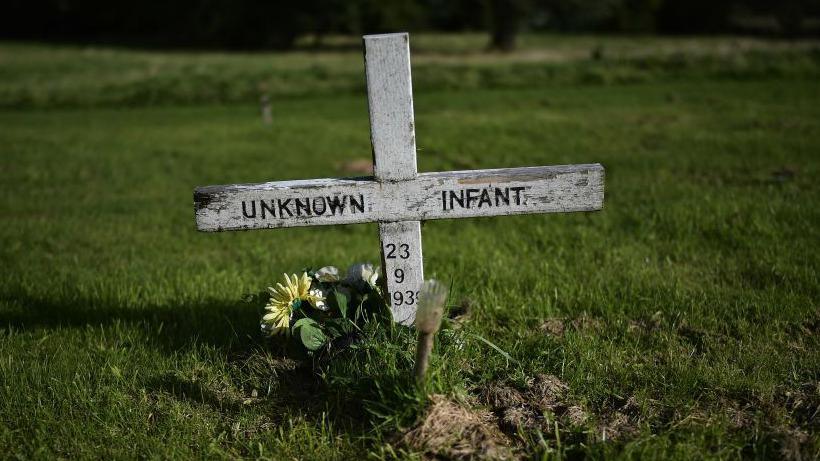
(398, 197)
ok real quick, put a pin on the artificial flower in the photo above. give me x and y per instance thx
(318, 299)
(287, 299)
(361, 272)
(327, 274)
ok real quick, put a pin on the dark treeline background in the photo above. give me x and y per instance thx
(259, 24)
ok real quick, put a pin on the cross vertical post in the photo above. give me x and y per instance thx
(398, 197)
(392, 133)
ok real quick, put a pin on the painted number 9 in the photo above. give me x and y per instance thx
(408, 298)
(390, 251)
(399, 274)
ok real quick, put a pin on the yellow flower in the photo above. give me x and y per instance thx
(285, 300)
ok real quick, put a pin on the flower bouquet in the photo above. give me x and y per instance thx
(318, 309)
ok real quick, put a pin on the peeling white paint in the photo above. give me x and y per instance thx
(398, 197)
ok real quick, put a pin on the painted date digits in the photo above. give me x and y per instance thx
(399, 274)
(408, 297)
(390, 251)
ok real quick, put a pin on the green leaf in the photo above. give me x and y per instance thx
(303, 321)
(310, 333)
(341, 302)
(337, 327)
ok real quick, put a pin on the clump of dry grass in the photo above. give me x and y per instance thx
(452, 431)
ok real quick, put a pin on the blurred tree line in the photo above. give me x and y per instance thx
(259, 24)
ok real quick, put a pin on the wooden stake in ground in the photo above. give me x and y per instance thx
(264, 105)
(397, 196)
(432, 297)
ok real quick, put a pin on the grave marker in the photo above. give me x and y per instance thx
(398, 197)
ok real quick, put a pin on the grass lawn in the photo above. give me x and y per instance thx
(682, 321)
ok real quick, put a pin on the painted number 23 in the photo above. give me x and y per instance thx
(400, 251)
(390, 251)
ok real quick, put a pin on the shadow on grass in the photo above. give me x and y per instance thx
(257, 373)
(358, 399)
(230, 325)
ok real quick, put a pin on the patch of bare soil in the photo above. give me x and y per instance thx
(587, 324)
(451, 431)
(620, 423)
(543, 404)
(554, 327)
(811, 326)
(525, 408)
(790, 419)
(647, 325)
(795, 444)
(558, 326)
(545, 401)
(802, 405)
(740, 417)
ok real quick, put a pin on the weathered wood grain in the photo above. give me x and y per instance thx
(390, 101)
(403, 267)
(546, 189)
(392, 133)
(397, 197)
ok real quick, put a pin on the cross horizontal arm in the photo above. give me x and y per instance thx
(442, 195)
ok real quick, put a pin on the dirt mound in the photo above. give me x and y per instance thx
(553, 326)
(557, 327)
(524, 408)
(452, 431)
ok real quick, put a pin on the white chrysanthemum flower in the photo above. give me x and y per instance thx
(318, 299)
(327, 274)
(362, 272)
